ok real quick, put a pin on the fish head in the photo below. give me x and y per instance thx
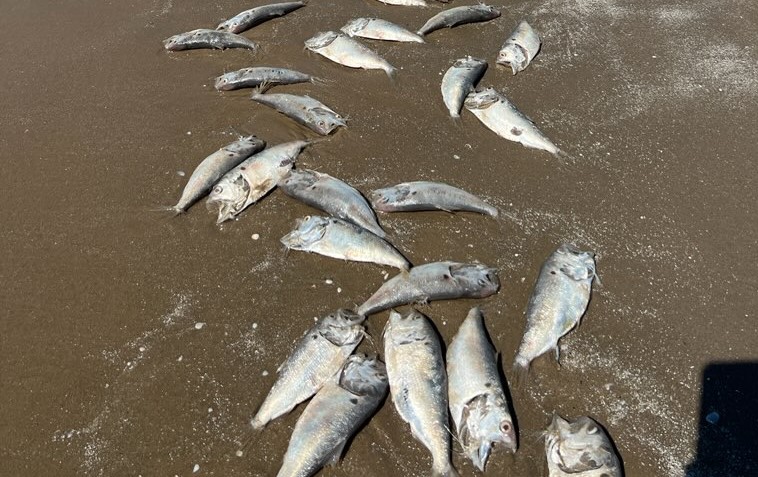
(342, 328)
(482, 99)
(490, 11)
(364, 375)
(224, 82)
(408, 328)
(469, 62)
(485, 423)
(576, 264)
(230, 25)
(513, 55)
(245, 146)
(174, 43)
(578, 446)
(354, 26)
(326, 121)
(228, 197)
(388, 198)
(299, 179)
(308, 231)
(474, 279)
(321, 40)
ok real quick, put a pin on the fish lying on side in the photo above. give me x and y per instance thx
(334, 414)
(405, 3)
(423, 195)
(378, 29)
(418, 384)
(501, 117)
(259, 75)
(559, 299)
(458, 16)
(346, 51)
(460, 80)
(304, 110)
(255, 16)
(331, 195)
(337, 238)
(477, 401)
(433, 281)
(252, 179)
(580, 449)
(317, 357)
(520, 48)
(204, 38)
(208, 172)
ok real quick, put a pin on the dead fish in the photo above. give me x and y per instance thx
(378, 29)
(406, 3)
(255, 16)
(460, 80)
(317, 357)
(334, 414)
(520, 48)
(204, 38)
(458, 16)
(252, 179)
(501, 117)
(423, 195)
(304, 110)
(418, 384)
(478, 404)
(337, 238)
(331, 195)
(559, 299)
(213, 167)
(433, 281)
(580, 448)
(346, 51)
(257, 76)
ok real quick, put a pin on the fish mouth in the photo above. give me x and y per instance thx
(226, 209)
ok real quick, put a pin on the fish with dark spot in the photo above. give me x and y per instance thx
(304, 110)
(580, 449)
(424, 195)
(208, 39)
(347, 51)
(459, 16)
(378, 29)
(433, 281)
(334, 415)
(331, 195)
(255, 16)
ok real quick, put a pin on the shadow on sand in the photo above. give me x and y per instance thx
(728, 423)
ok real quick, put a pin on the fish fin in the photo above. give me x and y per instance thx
(247, 441)
(322, 81)
(557, 350)
(520, 371)
(335, 458)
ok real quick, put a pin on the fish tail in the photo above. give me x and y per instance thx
(391, 74)
(520, 371)
(322, 81)
(446, 470)
(174, 210)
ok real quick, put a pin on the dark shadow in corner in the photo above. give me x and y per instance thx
(728, 423)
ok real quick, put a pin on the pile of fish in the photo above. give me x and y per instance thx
(428, 389)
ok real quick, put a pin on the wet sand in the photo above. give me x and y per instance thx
(103, 368)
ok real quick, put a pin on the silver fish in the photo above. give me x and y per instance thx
(256, 76)
(520, 48)
(460, 80)
(334, 414)
(317, 357)
(458, 16)
(378, 29)
(501, 117)
(433, 281)
(331, 195)
(304, 110)
(558, 301)
(204, 38)
(346, 51)
(406, 3)
(337, 238)
(478, 404)
(252, 179)
(255, 16)
(418, 384)
(208, 172)
(423, 195)
(580, 449)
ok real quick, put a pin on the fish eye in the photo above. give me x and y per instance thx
(505, 427)
(218, 190)
(591, 429)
